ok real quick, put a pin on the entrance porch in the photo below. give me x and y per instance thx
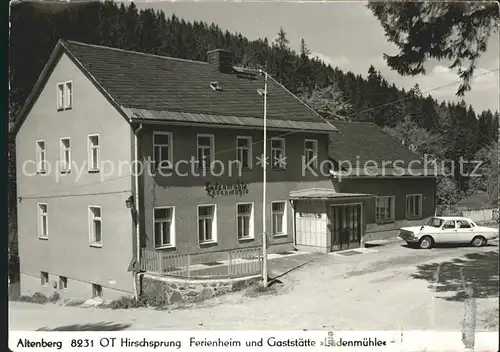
(327, 221)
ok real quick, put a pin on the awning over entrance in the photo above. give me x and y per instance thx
(324, 193)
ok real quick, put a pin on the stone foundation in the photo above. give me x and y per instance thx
(179, 291)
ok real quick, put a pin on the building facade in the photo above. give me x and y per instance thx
(59, 191)
(110, 159)
(227, 194)
(120, 152)
(378, 186)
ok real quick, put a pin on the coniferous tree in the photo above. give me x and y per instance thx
(131, 21)
(36, 28)
(486, 129)
(303, 71)
(437, 30)
(374, 96)
(281, 63)
(148, 35)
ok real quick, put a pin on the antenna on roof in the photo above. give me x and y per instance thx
(215, 86)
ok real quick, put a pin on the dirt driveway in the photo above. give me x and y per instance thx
(386, 288)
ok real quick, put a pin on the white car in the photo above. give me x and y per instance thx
(448, 229)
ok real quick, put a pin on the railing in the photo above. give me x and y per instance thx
(481, 215)
(230, 264)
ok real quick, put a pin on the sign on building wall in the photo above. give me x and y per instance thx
(310, 215)
(226, 189)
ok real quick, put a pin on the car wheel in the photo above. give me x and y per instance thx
(478, 241)
(425, 242)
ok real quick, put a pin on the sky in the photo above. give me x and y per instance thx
(343, 34)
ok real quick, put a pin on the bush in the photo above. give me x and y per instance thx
(13, 260)
(38, 298)
(125, 302)
(492, 321)
(54, 298)
(157, 302)
(28, 299)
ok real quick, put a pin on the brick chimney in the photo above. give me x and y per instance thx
(221, 59)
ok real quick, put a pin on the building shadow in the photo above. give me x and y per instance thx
(478, 270)
(371, 245)
(101, 326)
(414, 247)
(446, 246)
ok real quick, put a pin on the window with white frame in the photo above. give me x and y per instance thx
(94, 153)
(278, 218)
(162, 149)
(244, 151)
(65, 95)
(164, 227)
(65, 160)
(44, 278)
(40, 157)
(63, 282)
(205, 147)
(278, 153)
(245, 220)
(311, 152)
(385, 208)
(95, 226)
(60, 96)
(69, 95)
(413, 206)
(43, 224)
(207, 223)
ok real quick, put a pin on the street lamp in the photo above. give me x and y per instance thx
(264, 190)
(130, 202)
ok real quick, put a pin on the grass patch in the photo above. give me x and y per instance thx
(274, 287)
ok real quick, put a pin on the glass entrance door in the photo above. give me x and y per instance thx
(345, 226)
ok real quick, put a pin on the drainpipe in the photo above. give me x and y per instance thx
(136, 206)
(294, 229)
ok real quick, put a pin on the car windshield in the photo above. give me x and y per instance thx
(435, 222)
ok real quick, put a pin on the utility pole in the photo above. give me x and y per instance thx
(498, 177)
(264, 195)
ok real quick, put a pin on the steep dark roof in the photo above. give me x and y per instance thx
(146, 87)
(365, 141)
(156, 83)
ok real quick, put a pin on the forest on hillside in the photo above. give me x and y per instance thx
(443, 130)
